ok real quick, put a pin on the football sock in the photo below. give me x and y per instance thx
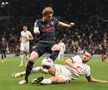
(28, 69)
(46, 81)
(22, 57)
(2, 56)
(54, 55)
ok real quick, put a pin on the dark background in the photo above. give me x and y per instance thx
(90, 18)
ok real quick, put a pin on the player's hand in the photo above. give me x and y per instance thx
(36, 30)
(71, 25)
(105, 81)
(79, 71)
(26, 39)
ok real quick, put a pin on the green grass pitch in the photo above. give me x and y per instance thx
(99, 70)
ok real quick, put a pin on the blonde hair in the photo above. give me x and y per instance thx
(47, 10)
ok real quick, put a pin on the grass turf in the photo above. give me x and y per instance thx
(99, 70)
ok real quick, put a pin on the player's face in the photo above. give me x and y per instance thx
(25, 28)
(86, 57)
(48, 16)
(52, 70)
(3, 39)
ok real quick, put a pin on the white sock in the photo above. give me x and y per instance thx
(59, 57)
(21, 57)
(36, 69)
(46, 81)
(39, 70)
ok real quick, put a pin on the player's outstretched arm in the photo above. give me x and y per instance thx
(91, 79)
(71, 25)
(39, 70)
(72, 65)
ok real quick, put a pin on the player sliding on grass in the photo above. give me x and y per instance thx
(76, 67)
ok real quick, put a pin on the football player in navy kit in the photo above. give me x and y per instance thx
(45, 28)
(3, 47)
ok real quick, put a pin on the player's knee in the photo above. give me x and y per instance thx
(33, 56)
(56, 47)
(54, 79)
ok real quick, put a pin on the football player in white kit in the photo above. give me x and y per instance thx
(26, 36)
(79, 65)
(75, 68)
(62, 50)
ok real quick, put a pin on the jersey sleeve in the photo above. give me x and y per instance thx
(76, 59)
(21, 33)
(36, 24)
(55, 21)
(29, 33)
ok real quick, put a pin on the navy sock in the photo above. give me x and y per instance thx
(28, 69)
(2, 56)
(54, 55)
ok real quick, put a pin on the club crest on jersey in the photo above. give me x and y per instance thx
(52, 23)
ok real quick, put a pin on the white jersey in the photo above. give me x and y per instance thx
(63, 72)
(62, 46)
(69, 73)
(25, 35)
(84, 68)
(24, 46)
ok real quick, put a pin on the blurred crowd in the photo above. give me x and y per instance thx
(89, 16)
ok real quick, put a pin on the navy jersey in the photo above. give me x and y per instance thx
(3, 44)
(47, 30)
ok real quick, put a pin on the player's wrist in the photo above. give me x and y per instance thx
(71, 25)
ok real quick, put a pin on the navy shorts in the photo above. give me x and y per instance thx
(3, 50)
(42, 47)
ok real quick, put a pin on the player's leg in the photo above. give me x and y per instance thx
(27, 55)
(21, 57)
(107, 52)
(27, 47)
(19, 74)
(103, 55)
(21, 54)
(59, 56)
(55, 79)
(36, 53)
(2, 54)
(62, 56)
(34, 70)
(55, 51)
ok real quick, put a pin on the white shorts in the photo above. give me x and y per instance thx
(24, 46)
(66, 78)
(63, 72)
